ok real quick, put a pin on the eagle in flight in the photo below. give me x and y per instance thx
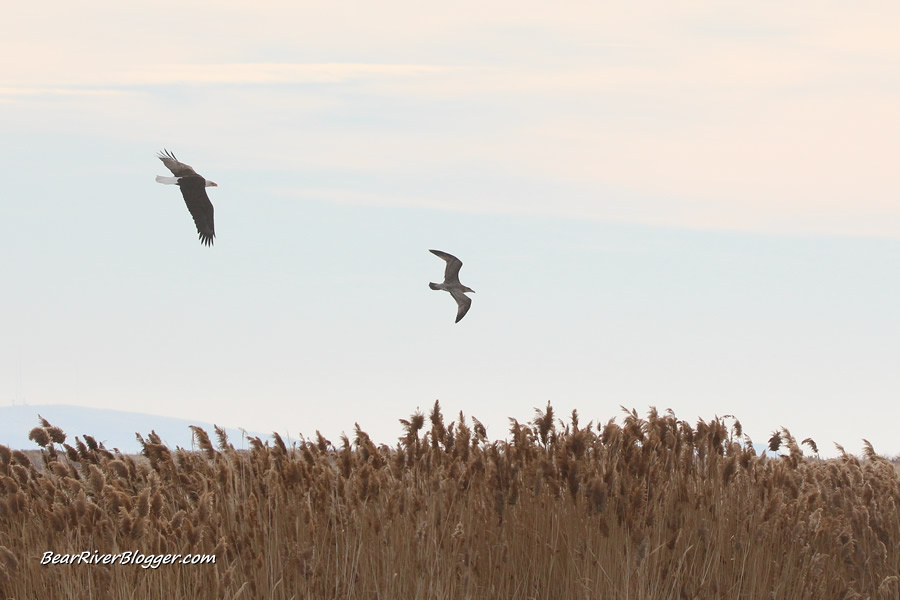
(193, 188)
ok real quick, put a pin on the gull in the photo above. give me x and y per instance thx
(451, 283)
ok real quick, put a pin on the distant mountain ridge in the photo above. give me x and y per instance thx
(115, 428)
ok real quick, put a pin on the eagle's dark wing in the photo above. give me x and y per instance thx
(451, 273)
(179, 169)
(194, 191)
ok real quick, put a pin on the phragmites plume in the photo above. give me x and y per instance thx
(256, 444)
(438, 431)
(71, 453)
(321, 443)
(222, 439)
(200, 436)
(812, 444)
(412, 427)
(775, 441)
(462, 438)
(57, 435)
(21, 458)
(729, 469)
(543, 421)
(279, 443)
(869, 450)
(478, 427)
(83, 452)
(39, 436)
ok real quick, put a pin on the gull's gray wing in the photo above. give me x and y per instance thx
(463, 303)
(451, 273)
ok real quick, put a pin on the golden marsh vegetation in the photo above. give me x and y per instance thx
(634, 508)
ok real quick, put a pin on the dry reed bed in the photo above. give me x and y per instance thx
(649, 508)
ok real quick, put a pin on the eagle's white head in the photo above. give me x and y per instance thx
(211, 183)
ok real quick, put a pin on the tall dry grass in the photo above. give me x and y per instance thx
(643, 508)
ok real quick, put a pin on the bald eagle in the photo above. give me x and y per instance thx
(193, 188)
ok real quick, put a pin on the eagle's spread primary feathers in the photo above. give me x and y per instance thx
(193, 188)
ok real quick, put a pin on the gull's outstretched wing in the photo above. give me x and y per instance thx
(451, 273)
(463, 303)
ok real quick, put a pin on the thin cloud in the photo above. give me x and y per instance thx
(11, 92)
(261, 73)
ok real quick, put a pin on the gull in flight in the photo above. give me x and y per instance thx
(451, 283)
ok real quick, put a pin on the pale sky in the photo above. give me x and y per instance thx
(682, 205)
